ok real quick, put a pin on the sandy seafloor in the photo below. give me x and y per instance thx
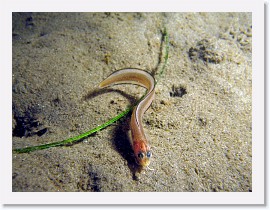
(199, 125)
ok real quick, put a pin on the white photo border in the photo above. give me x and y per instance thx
(257, 196)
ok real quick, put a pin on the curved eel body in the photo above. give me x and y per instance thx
(140, 144)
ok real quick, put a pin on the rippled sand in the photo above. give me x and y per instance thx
(200, 122)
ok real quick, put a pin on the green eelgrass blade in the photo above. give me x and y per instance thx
(69, 141)
(165, 41)
(74, 139)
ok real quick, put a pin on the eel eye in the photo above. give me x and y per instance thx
(148, 154)
(140, 155)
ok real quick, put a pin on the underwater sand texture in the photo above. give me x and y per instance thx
(199, 125)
